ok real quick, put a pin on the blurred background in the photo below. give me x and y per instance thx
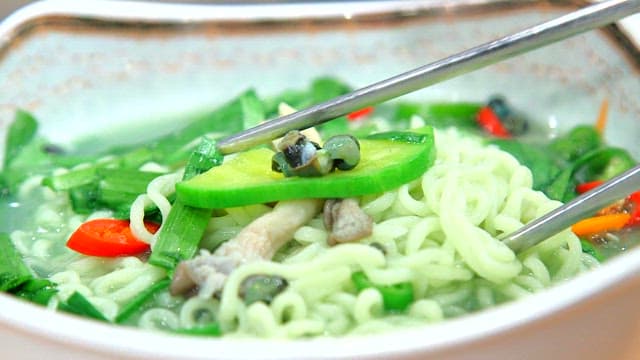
(7, 6)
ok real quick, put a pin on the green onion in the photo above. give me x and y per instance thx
(79, 305)
(96, 187)
(16, 277)
(204, 157)
(212, 329)
(84, 199)
(180, 235)
(396, 297)
(25, 154)
(71, 179)
(39, 291)
(135, 158)
(183, 229)
(137, 303)
(252, 111)
(13, 271)
(118, 188)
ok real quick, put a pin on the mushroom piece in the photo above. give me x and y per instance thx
(346, 221)
(257, 241)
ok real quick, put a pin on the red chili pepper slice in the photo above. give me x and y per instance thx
(490, 122)
(108, 238)
(584, 187)
(359, 114)
(634, 200)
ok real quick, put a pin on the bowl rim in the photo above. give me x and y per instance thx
(33, 320)
(132, 11)
(41, 12)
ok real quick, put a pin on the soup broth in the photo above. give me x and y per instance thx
(430, 249)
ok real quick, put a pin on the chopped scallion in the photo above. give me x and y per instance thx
(13, 271)
(79, 305)
(137, 303)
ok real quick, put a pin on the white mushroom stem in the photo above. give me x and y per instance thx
(257, 241)
(265, 235)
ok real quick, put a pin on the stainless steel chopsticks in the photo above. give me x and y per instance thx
(480, 56)
(529, 39)
(579, 208)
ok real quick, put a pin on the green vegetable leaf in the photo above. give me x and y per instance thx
(543, 165)
(440, 115)
(320, 90)
(229, 118)
(592, 165)
(578, 142)
(21, 132)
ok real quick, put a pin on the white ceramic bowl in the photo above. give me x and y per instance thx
(117, 63)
